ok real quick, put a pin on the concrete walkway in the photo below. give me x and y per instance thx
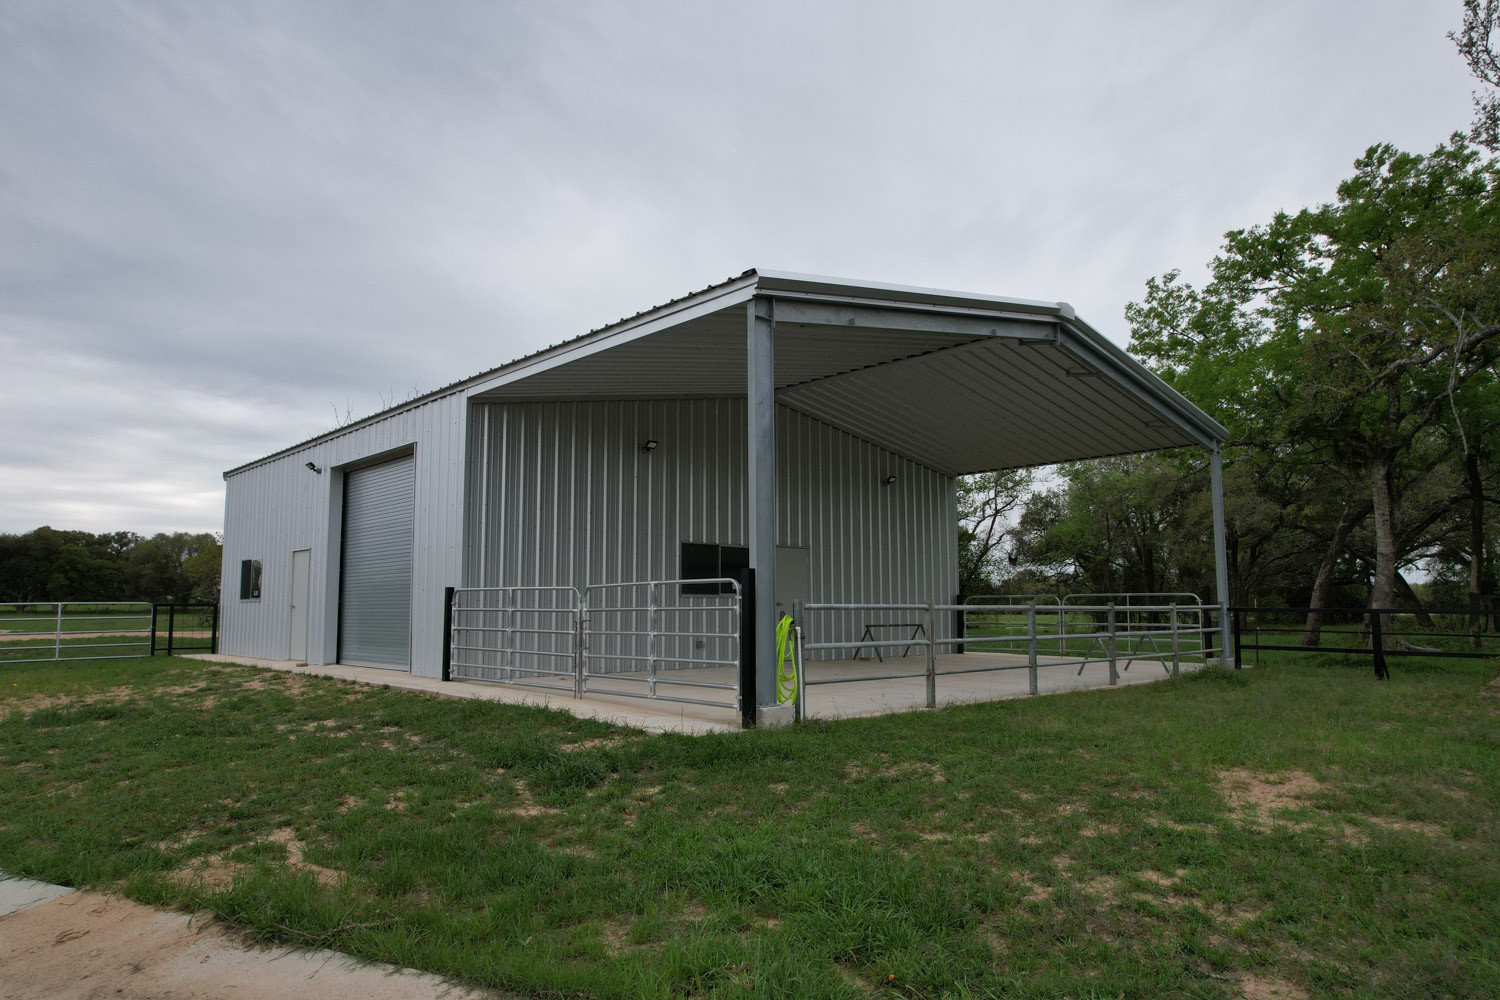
(833, 691)
(64, 944)
(639, 713)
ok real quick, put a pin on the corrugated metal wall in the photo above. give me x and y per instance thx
(569, 497)
(561, 493)
(278, 506)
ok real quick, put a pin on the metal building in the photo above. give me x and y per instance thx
(806, 428)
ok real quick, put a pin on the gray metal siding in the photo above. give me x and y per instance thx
(276, 506)
(568, 497)
(375, 581)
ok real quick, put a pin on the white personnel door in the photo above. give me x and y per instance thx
(301, 575)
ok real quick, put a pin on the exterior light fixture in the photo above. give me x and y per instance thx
(888, 481)
(650, 446)
(314, 468)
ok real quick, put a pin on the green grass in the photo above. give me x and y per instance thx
(79, 647)
(1084, 845)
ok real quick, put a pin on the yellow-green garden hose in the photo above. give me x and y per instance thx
(786, 663)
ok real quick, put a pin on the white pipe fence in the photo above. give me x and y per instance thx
(1173, 631)
(75, 630)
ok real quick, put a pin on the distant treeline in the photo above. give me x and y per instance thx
(51, 565)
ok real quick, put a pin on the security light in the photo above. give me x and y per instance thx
(649, 446)
(889, 481)
(314, 468)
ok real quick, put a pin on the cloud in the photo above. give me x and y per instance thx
(219, 223)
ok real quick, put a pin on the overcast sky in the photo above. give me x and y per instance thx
(222, 222)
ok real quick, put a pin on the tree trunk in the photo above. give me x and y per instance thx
(1312, 634)
(1476, 546)
(1410, 597)
(1383, 586)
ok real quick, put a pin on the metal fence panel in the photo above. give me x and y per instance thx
(1153, 628)
(185, 628)
(650, 639)
(39, 632)
(1436, 633)
(517, 635)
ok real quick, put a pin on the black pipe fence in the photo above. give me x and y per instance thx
(1377, 633)
(184, 628)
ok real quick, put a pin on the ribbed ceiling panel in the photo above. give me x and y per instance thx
(954, 402)
(988, 405)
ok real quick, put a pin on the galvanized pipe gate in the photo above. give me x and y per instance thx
(632, 640)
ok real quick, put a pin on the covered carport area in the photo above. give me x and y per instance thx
(956, 383)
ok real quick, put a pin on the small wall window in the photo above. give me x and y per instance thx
(250, 580)
(705, 561)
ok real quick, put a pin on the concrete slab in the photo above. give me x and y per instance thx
(85, 946)
(647, 715)
(837, 688)
(19, 893)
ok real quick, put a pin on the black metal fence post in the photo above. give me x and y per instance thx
(213, 635)
(746, 578)
(153, 630)
(448, 633)
(1235, 621)
(1377, 646)
(960, 623)
(171, 626)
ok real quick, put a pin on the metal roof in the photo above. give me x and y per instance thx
(957, 381)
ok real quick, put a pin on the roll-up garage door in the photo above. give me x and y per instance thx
(375, 585)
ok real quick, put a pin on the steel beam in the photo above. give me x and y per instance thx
(1221, 556)
(913, 318)
(1121, 375)
(761, 422)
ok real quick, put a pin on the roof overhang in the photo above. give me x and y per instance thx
(958, 382)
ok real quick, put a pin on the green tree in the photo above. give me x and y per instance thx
(1116, 525)
(1339, 336)
(1476, 41)
(987, 506)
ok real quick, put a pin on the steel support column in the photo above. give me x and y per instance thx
(1221, 557)
(761, 422)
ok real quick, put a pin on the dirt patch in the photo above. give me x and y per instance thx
(213, 872)
(1036, 892)
(912, 769)
(291, 683)
(615, 936)
(1257, 797)
(296, 856)
(177, 842)
(528, 806)
(864, 985)
(1270, 988)
(598, 742)
(1099, 830)
(28, 704)
(1408, 825)
(1160, 879)
(1102, 887)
